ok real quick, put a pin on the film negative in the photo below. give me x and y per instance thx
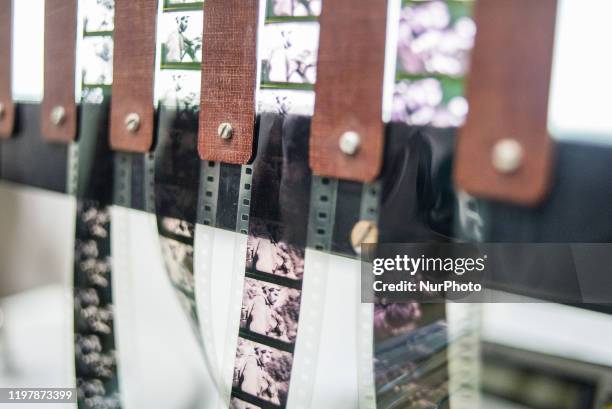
(193, 197)
(95, 352)
(95, 345)
(176, 193)
(91, 176)
(289, 42)
(176, 164)
(274, 268)
(271, 295)
(177, 249)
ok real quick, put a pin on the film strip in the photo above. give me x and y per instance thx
(95, 352)
(176, 236)
(274, 287)
(177, 168)
(427, 355)
(274, 267)
(464, 356)
(321, 218)
(90, 159)
(237, 274)
(288, 52)
(368, 217)
(224, 197)
(195, 196)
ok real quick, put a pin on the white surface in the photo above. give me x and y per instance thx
(336, 376)
(37, 234)
(36, 348)
(550, 329)
(214, 252)
(28, 51)
(36, 343)
(28, 46)
(161, 364)
(581, 85)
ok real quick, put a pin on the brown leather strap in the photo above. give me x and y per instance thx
(229, 75)
(132, 111)
(7, 108)
(504, 151)
(349, 90)
(59, 112)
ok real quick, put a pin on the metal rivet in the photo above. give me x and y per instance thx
(2, 110)
(349, 142)
(364, 231)
(507, 156)
(132, 122)
(225, 130)
(58, 115)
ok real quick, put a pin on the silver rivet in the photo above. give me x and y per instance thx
(132, 122)
(225, 130)
(58, 115)
(349, 142)
(2, 110)
(507, 156)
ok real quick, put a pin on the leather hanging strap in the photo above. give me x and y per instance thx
(7, 108)
(229, 75)
(132, 110)
(347, 130)
(504, 150)
(59, 111)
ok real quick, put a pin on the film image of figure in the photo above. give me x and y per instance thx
(177, 251)
(236, 403)
(274, 257)
(296, 7)
(270, 310)
(183, 41)
(262, 372)
(180, 264)
(178, 258)
(177, 227)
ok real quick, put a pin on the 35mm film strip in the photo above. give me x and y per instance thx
(95, 343)
(274, 268)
